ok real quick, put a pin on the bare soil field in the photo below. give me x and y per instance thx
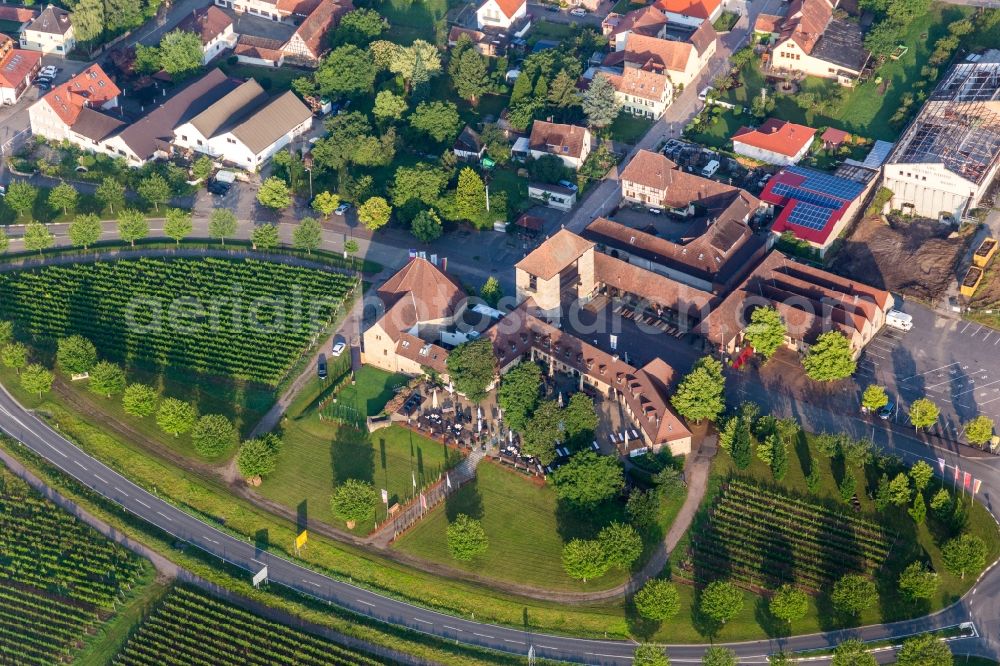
(914, 257)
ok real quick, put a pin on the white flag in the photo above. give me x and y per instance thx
(414, 477)
(447, 479)
(385, 496)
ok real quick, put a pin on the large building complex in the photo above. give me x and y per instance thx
(948, 156)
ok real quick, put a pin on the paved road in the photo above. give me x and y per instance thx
(982, 604)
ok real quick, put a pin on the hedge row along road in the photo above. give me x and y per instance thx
(36, 435)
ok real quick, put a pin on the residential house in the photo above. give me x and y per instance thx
(947, 158)
(647, 20)
(308, 44)
(570, 143)
(681, 61)
(811, 41)
(810, 300)
(490, 44)
(691, 12)
(775, 142)
(640, 92)
(553, 196)
(19, 15)
(274, 10)
(51, 32)
(503, 14)
(245, 127)
(215, 29)
(72, 111)
(259, 51)
(17, 69)
(468, 146)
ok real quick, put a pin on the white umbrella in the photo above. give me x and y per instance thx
(479, 412)
(560, 399)
(480, 427)
(511, 433)
(434, 400)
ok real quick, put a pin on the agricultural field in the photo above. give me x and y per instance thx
(765, 539)
(244, 319)
(59, 579)
(189, 627)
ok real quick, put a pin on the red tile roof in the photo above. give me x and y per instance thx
(300, 7)
(16, 65)
(420, 291)
(647, 21)
(313, 29)
(657, 54)
(508, 7)
(261, 48)
(695, 8)
(557, 138)
(805, 22)
(555, 254)
(17, 14)
(639, 83)
(91, 87)
(207, 22)
(834, 136)
(777, 136)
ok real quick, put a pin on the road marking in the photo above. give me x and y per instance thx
(121, 491)
(213, 541)
(257, 561)
(927, 372)
(55, 449)
(452, 628)
(165, 516)
(966, 326)
(313, 583)
(508, 640)
(366, 603)
(143, 503)
(100, 479)
(79, 465)
(483, 635)
(988, 334)
(424, 621)
(976, 388)
(977, 331)
(547, 647)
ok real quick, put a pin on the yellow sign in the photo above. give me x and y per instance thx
(301, 539)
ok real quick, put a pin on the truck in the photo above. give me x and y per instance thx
(899, 320)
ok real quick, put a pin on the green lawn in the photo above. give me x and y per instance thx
(372, 389)
(272, 79)
(111, 636)
(41, 211)
(506, 180)
(317, 455)
(628, 128)
(527, 527)
(411, 20)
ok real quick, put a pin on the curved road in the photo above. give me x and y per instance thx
(981, 603)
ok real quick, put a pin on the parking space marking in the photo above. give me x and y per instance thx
(988, 334)
(927, 372)
(976, 388)
(965, 327)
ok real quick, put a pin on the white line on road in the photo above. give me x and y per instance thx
(509, 640)
(56, 450)
(142, 503)
(547, 647)
(165, 516)
(100, 479)
(121, 491)
(77, 462)
(919, 374)
(483, 635)
(452, 628)
(424, 621)
(212, 540)
(965, 327)
(366, 603)
(313, 583)
(257, 561)
(988, 334)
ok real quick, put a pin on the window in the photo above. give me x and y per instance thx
(532, 283)
(199, 142)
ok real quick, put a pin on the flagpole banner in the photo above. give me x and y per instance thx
(423, 502)
(941, 464)
(956, 473)
(975, 486)
(385, 496)
(966, 480)
(414, 477)
(447, 480)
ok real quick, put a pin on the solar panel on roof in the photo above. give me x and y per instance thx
(809, 216)
(792, 192)
(828, 184)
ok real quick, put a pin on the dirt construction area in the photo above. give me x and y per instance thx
(914, 257)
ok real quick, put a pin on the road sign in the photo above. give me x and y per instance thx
(301, 539)
(260, 577)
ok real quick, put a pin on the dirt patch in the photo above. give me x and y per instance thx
(913, 257)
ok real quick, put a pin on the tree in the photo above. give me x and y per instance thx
(642, 507)
(921, 473)
(154, 190)
(720, 601)
(258, 457)
(941, 504)
(519, 394)
(964, 554)
(415, 63)
(588, 479)
(580, 418)
(140, 400)
(374, 213)
(848, 486)
(471, 76)
(85, 230)
(351, 246)
(918, 582)
(6, 331)
(852, 652)
(274, 194)
(264, 237)
(719, 656)
(359, 27)
(132, 226)
(4, 241)
(472, 367)
(621, 543)
(583, 560)
(307, 235)
(178, 224)
(421, 182)
(180, 53)
(647, 654)
(389, 106)
(14, 355)
(325, 203)
(700, 395)
(176, 417)
(874, 398)
(779, 457)
(426, 226)
(563, 92)
(88, 20)
(789, 603)
(63, 197)
(979, 430)
(354, 500)
(214, 435)
(853, 593)
(466, 538)
(36, 379)
(658, 600)
(37, 237)
(766, 331)
(538, 439)
(491, 292)
(470, 195)
(599, 103)
(221, 224)
(438, 120)
(495, 140)
(75, 355)
(111, 193)
(829, 358)
(924, 650)
(202, 167)
(21, 197)
(106, 379)
(347, 70)
(923, 413)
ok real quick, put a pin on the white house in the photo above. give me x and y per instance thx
(690, 12)
(52, 32)
(775, 142)
(17, 68)
(553, 196)
(570, 143)
(641, 93)
(500, 13)
(72, 110)
(244, 127)
(215, 29)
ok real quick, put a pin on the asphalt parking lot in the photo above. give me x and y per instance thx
(953, 362)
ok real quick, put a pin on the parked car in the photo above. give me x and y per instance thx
(569, 185)
(339, 348)
(321, 366)
(655, 211)
(44, 84)
(886, 412)
(579, 11)
(552, 8)
(3, 191)
(219, 187)
(49, 71)
(342, 208)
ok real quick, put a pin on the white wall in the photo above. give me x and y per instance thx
(47, 42)
(768, 156)
(930, 188)
(490, 14)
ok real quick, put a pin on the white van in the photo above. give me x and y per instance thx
(899, 320)
(710, 169)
